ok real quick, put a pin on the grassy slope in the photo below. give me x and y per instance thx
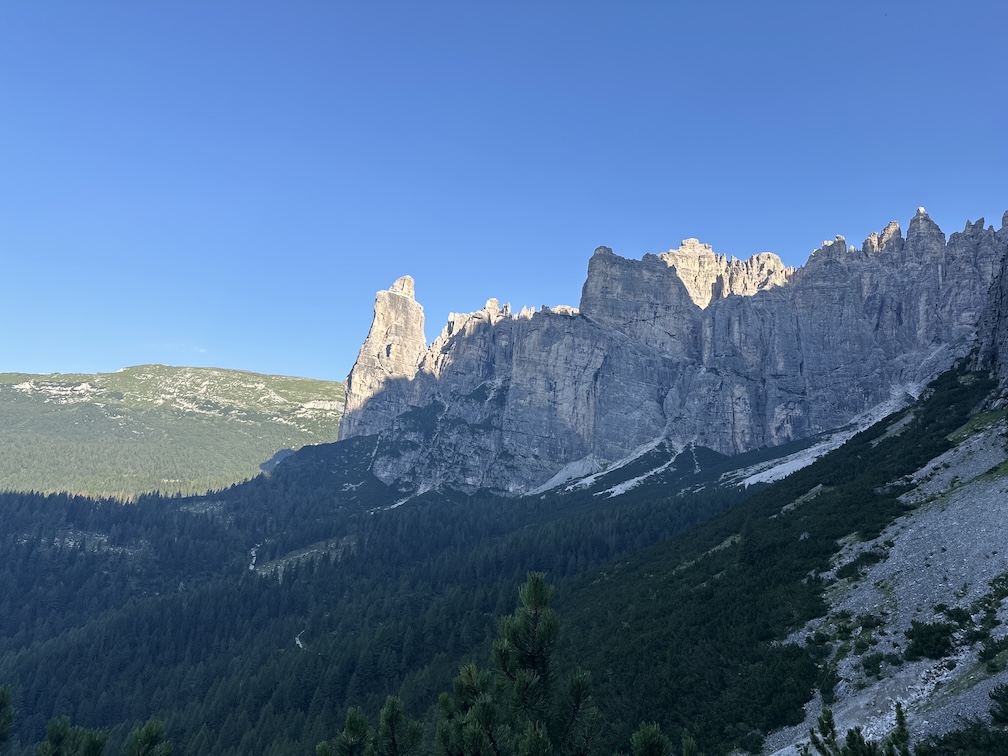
(155, 427)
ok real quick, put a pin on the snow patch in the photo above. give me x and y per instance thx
(579, 468)
(622, 488)
(636, 454)
(774, 470)
(419, 492)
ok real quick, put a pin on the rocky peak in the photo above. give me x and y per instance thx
(708, 276)
(890, 241)
(923, 236)
(459, 322)
(972, 229)
(392, 351)
(837, 249)
(891, 238)
(404, 286)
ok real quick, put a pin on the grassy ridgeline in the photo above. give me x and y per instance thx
(155, 428)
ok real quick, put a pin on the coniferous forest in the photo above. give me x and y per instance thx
(302, 611)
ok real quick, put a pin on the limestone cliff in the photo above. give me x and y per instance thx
(392, 351)
(688, 345)
(993, 346)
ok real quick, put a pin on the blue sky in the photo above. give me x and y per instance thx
(229, 183)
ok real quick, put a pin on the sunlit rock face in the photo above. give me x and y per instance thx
(688, 345)
(392, 351)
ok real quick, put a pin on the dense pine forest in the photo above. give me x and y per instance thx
(280, 614)
(381, 600)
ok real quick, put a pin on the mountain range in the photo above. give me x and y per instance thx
(688, 346)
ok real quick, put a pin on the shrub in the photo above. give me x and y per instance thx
(931, 640)
(872, 663)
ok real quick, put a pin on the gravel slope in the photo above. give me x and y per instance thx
(946, 551)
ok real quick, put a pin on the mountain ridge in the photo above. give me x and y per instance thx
(155, 427)
(689, 345)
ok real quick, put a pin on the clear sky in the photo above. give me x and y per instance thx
(229, 183)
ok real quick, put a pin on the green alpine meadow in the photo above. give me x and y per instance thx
(155, 428)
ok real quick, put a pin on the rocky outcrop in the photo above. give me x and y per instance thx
(993, 342)
(708, 276)
(391, 352)
(688, 345)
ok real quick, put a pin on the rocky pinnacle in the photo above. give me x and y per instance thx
(392, 351)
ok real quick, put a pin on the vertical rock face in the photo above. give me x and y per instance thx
(688, 345)
(658, 300)
(993, 331)
(390, 354)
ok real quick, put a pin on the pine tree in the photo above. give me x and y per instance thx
(689, 746)
(897, 743)
(999, 705)
(6, 716)
(825, 739)
(470, 718)
(523, 651)
(355, 740)
(519, 708)
(64, 740)
(649, 740)
(395, 736)
(148, 740)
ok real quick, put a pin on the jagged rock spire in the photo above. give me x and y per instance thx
(390, 355)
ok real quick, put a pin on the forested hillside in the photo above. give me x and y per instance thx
(162, 607)
(155, 428)
(251, 620)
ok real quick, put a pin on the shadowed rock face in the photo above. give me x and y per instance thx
(689, 345)
(993, 346)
